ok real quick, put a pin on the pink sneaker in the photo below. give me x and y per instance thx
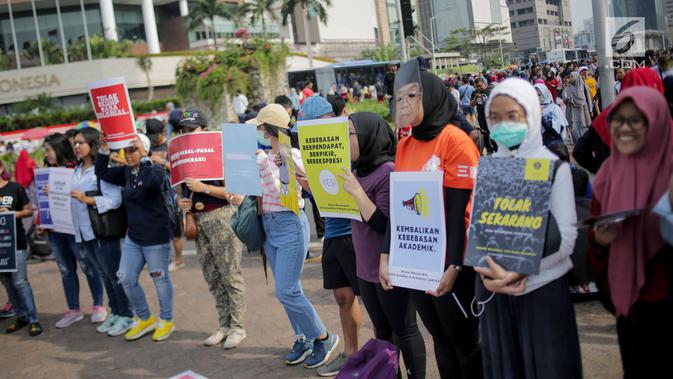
(99, 314)
(70, 317)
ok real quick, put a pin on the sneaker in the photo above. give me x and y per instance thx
(121, 326)
(70, 317)
(163, 331)
(19, 323)
(99, 314)
(321, 351)
(35, 329)
(141, 328)
(333, 368)
(107, 325)
(175, 266)
(234, 338)
(217, 337)
(7, 311)
(301, 349)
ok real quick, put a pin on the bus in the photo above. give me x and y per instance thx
(567, 55)
(366, 72)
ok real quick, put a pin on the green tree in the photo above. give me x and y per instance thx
(39, 104)
(257, 10)
(52, 52)
(312, 7)
(385, 53)
(145, 64)
(209, 10)
(469, 41)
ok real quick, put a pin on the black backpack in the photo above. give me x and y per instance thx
(549, 135)
(170, 201)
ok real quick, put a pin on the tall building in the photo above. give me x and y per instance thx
(439, 18)
(585, 38)
(655, 13)
(540, 25)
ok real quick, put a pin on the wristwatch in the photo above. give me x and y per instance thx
(207, 190)
(455, 267)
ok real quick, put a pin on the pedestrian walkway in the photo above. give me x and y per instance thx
(79, 352)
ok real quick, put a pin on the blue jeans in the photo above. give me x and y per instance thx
(287, 238)
(105, 256)
(67, 257)
(133, 260)
(19, 289)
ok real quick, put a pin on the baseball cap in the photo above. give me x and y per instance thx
(274, 114)
(314, 107)
(193, 119)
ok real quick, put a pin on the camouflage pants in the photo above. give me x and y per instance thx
(219, 252)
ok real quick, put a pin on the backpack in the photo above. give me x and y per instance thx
(247, 224)
(549, 135)
(170, 201)
(378, 359)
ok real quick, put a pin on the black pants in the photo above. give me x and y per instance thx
(319, 221)
(532, 335)
(455, 337)
(645, 340)
(394, 318)
(489, 144)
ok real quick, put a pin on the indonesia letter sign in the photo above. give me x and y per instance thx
(112, 104)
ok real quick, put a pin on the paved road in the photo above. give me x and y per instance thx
(78, 352)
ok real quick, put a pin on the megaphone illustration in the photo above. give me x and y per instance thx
(414, 204)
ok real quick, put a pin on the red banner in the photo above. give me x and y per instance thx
(196, 156)
(112, 104)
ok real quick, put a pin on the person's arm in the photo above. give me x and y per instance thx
(218, 192)
(664, 209)
(24, 204)
(473, 99)
(112, 175)
(455, 204)
(111, 197)
(374, 211)
(584, 151)
(270, 182)
(152, 176)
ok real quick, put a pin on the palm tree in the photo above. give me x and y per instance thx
(208, 10)
(257, 9)
(309, 8)
(145, 64)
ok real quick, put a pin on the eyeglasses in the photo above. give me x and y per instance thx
(77, 143)
(411, 96)
(130, 150)
(634, 122)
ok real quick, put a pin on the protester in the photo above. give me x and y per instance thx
(307, 91)
(466, 91)
(217, 247)
(552, 84)
(619, 77)
(59, 153)
(577, 111)
(551, 112)
(19, 291)
(436, 145)
(104, 253)
(633, 262)
(338, 257)
(148, 236)
(389, 83)
(479, 99)
(287, 238)
(240, 105)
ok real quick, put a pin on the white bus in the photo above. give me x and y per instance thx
(567, 55)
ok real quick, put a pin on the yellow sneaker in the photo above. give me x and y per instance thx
(140, 328)
(163, 331)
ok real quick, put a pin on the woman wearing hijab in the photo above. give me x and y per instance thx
(392, 312)
(436, 145)
(24, 169)
(528, 327)
(552, 84)
(632, 258)
(550, 110)
(594, 147)
(577, 106)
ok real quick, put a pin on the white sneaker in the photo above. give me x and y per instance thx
(70, 317)
(217, 337)
(235, 337)
(175, 266)
(99, 314)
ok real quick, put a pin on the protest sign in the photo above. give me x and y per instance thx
(241, 173)
(325, 149)
(41, 181)
(288, 175)
(7, 242)
(510, 213)
(418, 231)
(60, 183)
(112, 105)
(196, 156)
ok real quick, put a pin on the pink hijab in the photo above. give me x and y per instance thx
(634, 181)
(24, 170)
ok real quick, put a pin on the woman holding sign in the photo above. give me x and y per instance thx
(436, 145)
(372, 146)
(631, 258)
(528, 326)
(148, 237)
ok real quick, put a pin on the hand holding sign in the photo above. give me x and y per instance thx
(445, 283)
(606, 234)
(497, 279)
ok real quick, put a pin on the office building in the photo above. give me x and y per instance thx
(540, 25)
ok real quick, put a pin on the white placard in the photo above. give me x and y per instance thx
(60, 183)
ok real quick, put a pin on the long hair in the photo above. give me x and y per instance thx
(62, 147)
(92, 138)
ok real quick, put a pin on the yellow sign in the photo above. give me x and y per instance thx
(288, 187)
(537, 170)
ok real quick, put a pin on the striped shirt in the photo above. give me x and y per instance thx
(270, 175)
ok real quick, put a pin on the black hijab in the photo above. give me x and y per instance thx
(377, 142)
(439, 107)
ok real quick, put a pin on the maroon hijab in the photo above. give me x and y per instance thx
(626, 182)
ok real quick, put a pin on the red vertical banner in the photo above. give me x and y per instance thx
(112, 104)
(196, 156)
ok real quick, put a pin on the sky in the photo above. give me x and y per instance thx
(580, 10)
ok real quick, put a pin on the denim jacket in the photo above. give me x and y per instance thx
(664, 210)
(85, 180)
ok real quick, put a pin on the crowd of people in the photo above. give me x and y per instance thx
(484, 322)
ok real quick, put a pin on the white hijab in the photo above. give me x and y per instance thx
(524, 94)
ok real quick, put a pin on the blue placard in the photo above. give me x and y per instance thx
(239, 150)
(41, 181)
(7, 242)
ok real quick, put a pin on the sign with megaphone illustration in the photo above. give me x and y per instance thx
(418, 237)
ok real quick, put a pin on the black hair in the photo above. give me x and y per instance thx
(338, 104)
(92, 138)
(70, 133)
(273, 130)
(560, 150)
(62, 147)
(283, 100)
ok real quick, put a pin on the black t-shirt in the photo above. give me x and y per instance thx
(14, 198)
(482, 98)
(203, 198)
